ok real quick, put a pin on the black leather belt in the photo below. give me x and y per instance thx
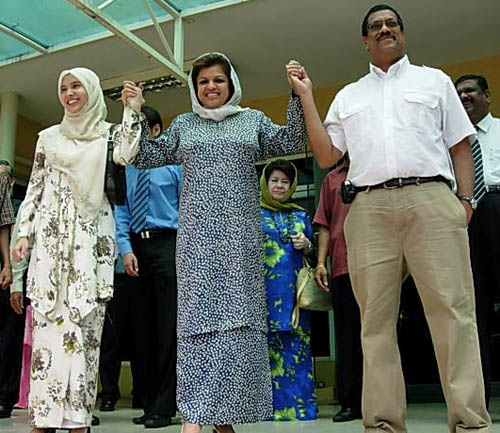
(492, 188)
(151, 233)
(399, 182)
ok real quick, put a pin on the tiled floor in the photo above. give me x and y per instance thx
(422, 418)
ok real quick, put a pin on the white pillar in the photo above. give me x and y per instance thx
(8, 125)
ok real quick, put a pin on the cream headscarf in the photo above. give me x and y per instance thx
(77, 146)
(229, 108)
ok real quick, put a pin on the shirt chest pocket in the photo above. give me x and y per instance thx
(355, 120)
(422, 110)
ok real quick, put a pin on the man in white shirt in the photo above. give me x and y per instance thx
(400, 124)
(484, 227)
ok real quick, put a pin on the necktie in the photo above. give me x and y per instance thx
(141, 195)
(479, 188)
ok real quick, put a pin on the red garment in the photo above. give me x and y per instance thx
(331, 213)
(24, 385)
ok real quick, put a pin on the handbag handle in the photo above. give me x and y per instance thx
(296, 309)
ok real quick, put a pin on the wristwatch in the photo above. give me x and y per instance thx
(472, 201)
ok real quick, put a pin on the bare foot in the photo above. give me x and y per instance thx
(79, 430)
(190, 428)
(38, 430)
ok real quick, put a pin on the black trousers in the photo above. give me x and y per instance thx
(484, 236)
(116, 343)
(348, 343)
(11, 350)
(155, 318)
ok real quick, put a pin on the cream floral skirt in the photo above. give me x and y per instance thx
(65, 363)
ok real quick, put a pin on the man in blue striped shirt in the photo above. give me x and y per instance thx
(146, 229)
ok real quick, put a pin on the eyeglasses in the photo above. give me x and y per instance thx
(375, 26)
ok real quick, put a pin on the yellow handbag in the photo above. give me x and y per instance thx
(309, 296)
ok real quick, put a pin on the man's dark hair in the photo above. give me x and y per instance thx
(479, 79)
(153, 116)
(376, 8)
(6, 163)
(282, 165)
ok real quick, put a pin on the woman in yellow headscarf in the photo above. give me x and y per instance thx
(287, 241)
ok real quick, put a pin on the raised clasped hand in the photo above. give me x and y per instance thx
(298, 78)
(132, 95)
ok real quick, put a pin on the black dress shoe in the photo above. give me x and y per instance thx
(95, 420)
(346, 414)
(139, 419)
(5, 411)
(157, 421)
(107, 406)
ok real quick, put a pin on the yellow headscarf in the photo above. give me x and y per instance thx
(266, 200)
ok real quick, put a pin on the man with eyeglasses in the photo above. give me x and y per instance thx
(402, 126)
(484, 227)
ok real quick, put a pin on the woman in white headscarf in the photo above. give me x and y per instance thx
(68, 218)
(223, 375)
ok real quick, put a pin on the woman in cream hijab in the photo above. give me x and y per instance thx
(68, 218)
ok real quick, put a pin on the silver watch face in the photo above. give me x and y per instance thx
(471, 200)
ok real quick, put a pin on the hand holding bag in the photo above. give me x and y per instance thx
(115, 180)
(309, 296)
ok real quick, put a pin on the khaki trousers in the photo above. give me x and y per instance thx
(421, 228)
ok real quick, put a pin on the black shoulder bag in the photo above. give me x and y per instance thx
(115, 181)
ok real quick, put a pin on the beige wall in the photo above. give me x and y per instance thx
(27, 134)
(275, 107)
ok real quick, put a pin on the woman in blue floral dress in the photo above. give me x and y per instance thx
(287, 233)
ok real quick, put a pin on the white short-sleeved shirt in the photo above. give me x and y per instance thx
(398, 124)
(488, 134)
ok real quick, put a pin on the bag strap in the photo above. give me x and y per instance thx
(110, 140)
(295, 316)
(300, 289)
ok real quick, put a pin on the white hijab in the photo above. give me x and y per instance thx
(77, 146)
(229, 108)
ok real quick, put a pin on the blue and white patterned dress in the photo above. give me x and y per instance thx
(223, 366)
(289, 349)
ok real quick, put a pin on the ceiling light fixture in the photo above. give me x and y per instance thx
(154, 85)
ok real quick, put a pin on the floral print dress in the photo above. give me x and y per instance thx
(70, 277)
(289, 348)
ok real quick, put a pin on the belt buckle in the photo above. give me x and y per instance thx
(145, 234)
(492, 188)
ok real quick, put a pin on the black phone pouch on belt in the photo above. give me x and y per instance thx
(348, 192)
